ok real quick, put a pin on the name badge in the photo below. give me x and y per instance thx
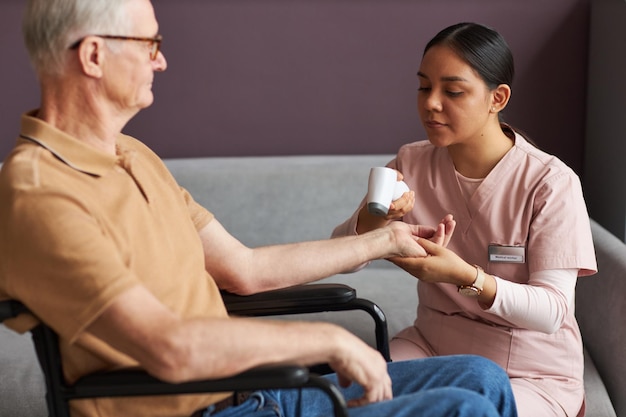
(510, 254)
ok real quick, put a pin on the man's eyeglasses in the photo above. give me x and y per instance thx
(155, 43)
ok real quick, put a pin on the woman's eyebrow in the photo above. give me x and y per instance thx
(454, 78)
(448, 78)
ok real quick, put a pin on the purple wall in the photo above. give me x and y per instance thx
(279, 77)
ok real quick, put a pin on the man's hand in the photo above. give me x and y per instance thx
(441, 265)
(444, 232)
(406, 236)
(357, 362)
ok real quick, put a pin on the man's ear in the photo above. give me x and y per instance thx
(500, 97)
(91, 54)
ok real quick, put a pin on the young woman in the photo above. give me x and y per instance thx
(504, 285)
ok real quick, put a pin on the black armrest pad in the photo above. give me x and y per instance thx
(297, 299)
(10, 309)
(136, 382)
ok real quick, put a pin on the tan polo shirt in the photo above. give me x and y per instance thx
(78, 227)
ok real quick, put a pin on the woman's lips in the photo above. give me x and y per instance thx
(433, 124)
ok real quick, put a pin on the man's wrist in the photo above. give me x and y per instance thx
(383, 242)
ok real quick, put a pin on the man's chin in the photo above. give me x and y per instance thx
(146, 102)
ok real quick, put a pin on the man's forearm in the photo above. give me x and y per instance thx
(242, 270)
(214, 348)
(177, 349)
(280, 266)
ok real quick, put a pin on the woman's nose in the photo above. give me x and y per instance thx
(432, 102)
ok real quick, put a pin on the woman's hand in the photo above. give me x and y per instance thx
(397, 209)
(439, 235)
(440, 264)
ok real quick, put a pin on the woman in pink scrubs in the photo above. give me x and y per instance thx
(504, 285)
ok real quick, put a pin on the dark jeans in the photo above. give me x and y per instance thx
(461, 386)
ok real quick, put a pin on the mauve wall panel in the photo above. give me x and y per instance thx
(256, 77)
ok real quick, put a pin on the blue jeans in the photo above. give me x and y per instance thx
(460, 386)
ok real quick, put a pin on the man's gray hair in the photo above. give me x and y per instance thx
(50, 27)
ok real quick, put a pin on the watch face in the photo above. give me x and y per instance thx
(469, 291)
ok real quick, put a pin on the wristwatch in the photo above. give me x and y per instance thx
(476, 288)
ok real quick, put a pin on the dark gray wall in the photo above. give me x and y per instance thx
(605, 147)
(276, 77)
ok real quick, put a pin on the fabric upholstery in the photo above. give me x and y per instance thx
(263, 200)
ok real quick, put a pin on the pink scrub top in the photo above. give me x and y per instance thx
(530, 201)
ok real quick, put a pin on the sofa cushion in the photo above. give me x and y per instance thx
(268, 200)
(265, 200)
(22, 389)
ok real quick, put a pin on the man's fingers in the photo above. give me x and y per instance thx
(343, 381)
(381, 393)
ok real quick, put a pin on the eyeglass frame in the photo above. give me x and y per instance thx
(155, 42)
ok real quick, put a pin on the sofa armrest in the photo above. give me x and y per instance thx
(601, 314)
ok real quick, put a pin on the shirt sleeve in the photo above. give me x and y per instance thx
(542, 304)
(60, 263)
(560, 233)
(199, 215)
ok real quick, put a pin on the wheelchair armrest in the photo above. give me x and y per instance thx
(136, 382)
(10, 309)
(310, 298)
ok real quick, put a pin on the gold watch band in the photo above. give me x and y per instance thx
(476, 288)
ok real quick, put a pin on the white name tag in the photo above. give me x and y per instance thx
(510, 254)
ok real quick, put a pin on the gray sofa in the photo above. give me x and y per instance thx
(263, 200)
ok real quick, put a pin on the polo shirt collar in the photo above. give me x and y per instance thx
(66, 148)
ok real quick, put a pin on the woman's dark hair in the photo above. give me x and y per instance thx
(484, 49)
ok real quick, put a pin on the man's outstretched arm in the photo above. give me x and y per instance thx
(244, 270)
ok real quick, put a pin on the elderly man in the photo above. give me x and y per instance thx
(99, 241)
